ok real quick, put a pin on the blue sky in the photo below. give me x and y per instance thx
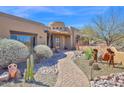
(77, 16)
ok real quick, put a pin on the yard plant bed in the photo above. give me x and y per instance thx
(46, 73)
(104, 68)
(47, 80)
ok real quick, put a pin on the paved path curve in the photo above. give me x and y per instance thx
(69, 74)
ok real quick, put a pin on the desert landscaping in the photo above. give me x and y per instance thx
(33, 54)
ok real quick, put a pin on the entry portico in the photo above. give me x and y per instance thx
(58, 39)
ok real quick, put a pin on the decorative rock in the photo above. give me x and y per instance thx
(106, 85)
(121, 78)
(97, 78)
(109, 77)
(92, 83)
(122, 73)
(90, 62)
(4, 76)
(95, 66)
(117, 78)
(112, 75)
(104, 77)
(121, 81)
(112, 80)
(18, 74)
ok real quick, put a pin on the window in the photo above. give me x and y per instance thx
(28, 40)
(60, 28)
(57, 41)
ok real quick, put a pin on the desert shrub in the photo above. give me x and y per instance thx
(12, 51)
(43, 51)
(88, 53)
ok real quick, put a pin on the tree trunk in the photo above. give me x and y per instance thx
(108, 43)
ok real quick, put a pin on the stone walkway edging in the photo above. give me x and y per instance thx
(69, 74)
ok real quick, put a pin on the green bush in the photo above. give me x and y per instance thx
(12, 51)
(43, 51)
(88, 53)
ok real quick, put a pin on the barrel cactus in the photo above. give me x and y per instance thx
(43, 51)
(12, 51)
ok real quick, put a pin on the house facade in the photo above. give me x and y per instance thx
(32, 33)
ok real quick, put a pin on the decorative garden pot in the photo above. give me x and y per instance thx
(12, 68)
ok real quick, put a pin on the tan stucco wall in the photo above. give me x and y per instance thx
(56, 24)
(8, 23)
(68, 43)
(12, 23)
(74, 32)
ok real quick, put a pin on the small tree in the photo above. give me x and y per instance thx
(110, 28)
(89, 33)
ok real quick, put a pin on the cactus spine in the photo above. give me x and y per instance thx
(29, 74)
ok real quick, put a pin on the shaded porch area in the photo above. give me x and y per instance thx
(59, 40)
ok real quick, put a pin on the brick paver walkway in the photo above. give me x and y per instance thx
(69, 74)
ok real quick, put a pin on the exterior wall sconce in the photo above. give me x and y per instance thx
(40, 37)
(46, 31)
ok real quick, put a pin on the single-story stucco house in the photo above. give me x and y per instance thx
(33, 33)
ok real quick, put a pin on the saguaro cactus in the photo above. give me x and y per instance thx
(29, 73)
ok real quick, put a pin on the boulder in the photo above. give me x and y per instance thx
(95, 66)
(4, 76)
(18, 74)
(90, 62)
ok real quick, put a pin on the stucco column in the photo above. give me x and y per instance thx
(62, 42)
(49, 43)
(72, 45)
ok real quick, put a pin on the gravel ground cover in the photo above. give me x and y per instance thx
(46, 73)
(105, 70)
(112, 80)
